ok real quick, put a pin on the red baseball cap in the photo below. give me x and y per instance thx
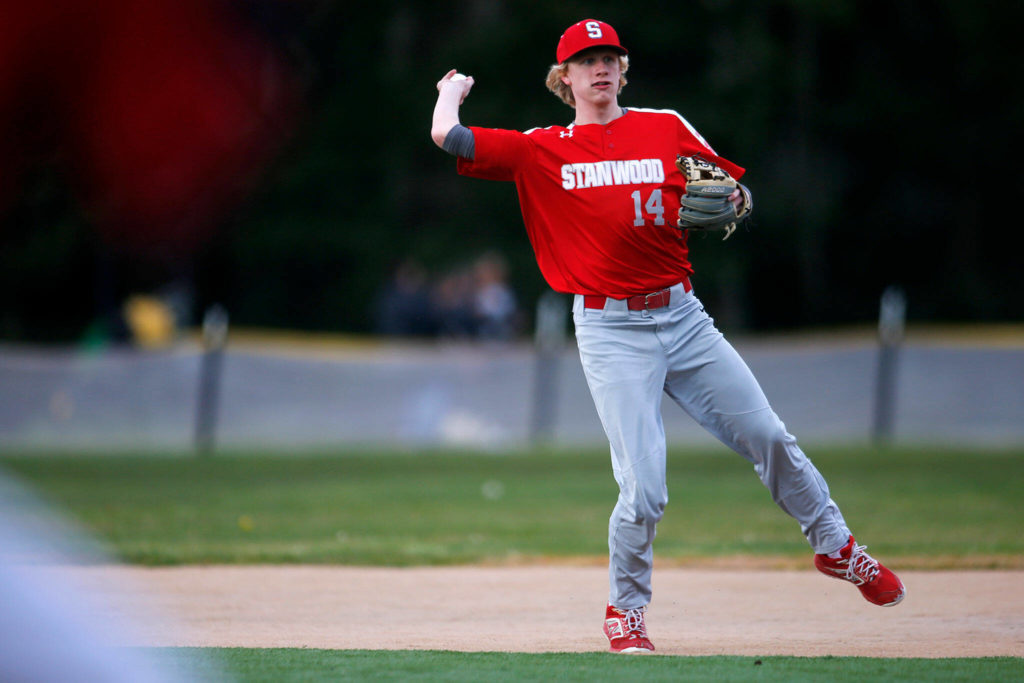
(586, 34)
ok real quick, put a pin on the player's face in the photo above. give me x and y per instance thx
(593, 76)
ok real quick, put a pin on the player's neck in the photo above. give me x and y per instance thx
(604, 113)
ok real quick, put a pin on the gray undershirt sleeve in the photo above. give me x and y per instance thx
(460, 142)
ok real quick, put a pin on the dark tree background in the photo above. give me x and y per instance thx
(878, 139)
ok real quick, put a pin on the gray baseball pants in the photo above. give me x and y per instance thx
(630, 358)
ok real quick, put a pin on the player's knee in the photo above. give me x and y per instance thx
(761, 435)
(649, 503)
(641, 506)
(763, 439)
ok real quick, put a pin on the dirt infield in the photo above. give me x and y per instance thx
(556, 609)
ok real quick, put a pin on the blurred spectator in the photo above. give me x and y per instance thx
(466, 302)
(405, 307)
(495, 306)
(150, 320)
(157, 319)
(453, 304)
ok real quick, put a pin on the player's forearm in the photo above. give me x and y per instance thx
(451, 91)
(446, 114)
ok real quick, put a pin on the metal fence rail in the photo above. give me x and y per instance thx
(482, 396)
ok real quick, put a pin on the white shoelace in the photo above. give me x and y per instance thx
(862, 568)
(634, 620)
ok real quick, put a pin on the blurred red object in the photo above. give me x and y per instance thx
(164, 111)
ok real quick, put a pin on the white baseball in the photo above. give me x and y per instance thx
(459, 77)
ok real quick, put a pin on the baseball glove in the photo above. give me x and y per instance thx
(706, 204)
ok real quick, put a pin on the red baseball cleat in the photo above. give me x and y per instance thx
(626, 631)
(876, 583)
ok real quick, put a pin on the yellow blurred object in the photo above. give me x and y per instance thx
(150, 320)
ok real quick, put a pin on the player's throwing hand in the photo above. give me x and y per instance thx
(454, 79)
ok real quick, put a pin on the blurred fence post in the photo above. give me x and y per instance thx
(891, 322)
(549, 342)
(215, 334)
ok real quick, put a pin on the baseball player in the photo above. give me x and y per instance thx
(599, 199)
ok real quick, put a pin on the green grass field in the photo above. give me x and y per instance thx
(930, 508)
(284, 665)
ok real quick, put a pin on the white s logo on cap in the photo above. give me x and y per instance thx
(593, 29)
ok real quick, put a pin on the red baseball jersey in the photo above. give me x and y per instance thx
(600, 202)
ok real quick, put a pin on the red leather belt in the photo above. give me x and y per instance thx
(640, 302)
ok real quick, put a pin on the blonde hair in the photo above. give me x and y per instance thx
(564, 92)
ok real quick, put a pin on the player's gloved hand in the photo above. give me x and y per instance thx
(711, 201)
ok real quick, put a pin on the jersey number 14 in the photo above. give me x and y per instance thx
(653, 208)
